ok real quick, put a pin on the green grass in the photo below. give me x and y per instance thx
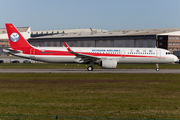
(91, 95)
(83, 66)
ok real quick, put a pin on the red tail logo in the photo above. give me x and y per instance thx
(16, 40)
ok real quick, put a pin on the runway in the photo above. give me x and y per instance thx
(85, 71)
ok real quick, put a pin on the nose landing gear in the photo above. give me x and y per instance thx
(157, 67)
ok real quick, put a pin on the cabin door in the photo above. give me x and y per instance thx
(32, 53)
(158, 53)
(123, 53)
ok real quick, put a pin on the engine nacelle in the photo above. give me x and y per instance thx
(109, 63)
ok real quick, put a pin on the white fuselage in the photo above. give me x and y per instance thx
(122, 55)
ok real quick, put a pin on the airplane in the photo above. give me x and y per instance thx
(107, 57)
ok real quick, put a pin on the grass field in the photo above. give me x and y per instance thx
(91, 95)
(83, 66)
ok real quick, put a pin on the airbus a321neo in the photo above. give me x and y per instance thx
(107, 57)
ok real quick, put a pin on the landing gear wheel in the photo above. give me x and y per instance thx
(157, 69)
(90, 68)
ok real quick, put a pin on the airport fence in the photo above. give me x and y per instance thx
(37, 117)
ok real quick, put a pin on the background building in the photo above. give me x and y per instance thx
(163, 38)
(170, 41)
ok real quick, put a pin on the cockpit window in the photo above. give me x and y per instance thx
(168, 53)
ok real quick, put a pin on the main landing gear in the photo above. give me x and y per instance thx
(157, 67)
(90, 68)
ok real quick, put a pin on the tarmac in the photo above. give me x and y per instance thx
(163, 71)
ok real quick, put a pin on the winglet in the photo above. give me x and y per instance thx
(67, 46)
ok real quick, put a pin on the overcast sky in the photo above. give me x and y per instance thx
(97, 14)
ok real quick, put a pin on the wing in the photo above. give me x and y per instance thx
(84, 57)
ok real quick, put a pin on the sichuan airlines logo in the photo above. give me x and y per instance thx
(14, 37)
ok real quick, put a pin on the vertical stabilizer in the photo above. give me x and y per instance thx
(16, 40)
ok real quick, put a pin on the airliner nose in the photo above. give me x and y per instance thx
(176, 58)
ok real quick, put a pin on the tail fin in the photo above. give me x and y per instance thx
(16, 40)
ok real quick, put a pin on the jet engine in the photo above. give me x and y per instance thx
(109, 63)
